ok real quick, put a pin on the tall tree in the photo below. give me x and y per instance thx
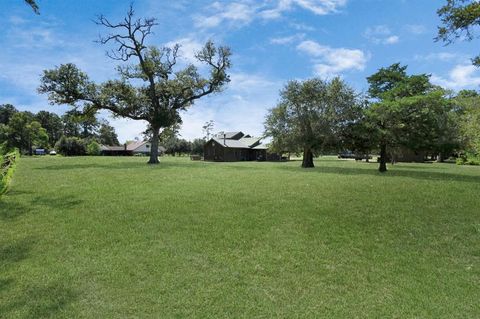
(24, 133)
(107, 134)
(164, 91)
(406, 111)
(52, 123)
(460, 19)
(207, 129)
(6, 112)
(310, 116)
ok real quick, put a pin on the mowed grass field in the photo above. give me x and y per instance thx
(101, 237)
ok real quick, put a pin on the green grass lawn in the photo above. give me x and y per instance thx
(100, 237)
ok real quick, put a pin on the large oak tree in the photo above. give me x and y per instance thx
(150, 88)
(310, 116)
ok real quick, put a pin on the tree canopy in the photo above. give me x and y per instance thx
(460, 18)
(164, 91)
(310, 116)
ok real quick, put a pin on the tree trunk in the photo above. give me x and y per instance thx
(154, 148)
(383, 158)
(307, 158)
(440, 158)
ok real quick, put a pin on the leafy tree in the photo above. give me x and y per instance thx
(6, 112)
(460, 18)
(52, 123)
(71, 146)
(396, 117)
(107, 134)
(207, 129)
(93, 148)
(164, 91)
(24, 133)
(310, 116)
(33, 4)
(197, 146)
(469, 120)
(175, 145)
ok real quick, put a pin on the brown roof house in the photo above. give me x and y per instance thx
(134, 148)
(234, 146)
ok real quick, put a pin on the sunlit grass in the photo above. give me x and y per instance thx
(113, 237)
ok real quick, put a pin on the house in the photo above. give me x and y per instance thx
(131, 149)
(234, 146)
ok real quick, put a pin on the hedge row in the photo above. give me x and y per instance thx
(7, 166)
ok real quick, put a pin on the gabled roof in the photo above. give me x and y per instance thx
(230, 135)
(133, 146)
(238, 140)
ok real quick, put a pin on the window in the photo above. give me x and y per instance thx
(147, 146)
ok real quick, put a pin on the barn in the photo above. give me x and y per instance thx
(233, 147)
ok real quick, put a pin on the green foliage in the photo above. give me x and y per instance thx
(6, 113)
(152, 89)
(310, 115)
(408, 111)
(93, 148)
(24, 133)
(71, 146)
(468, 104)
(468, 159)
(107, 134)
(460, 18)
(175, 145)
(197, 146)
(7, 167)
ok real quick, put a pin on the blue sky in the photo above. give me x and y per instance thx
(273, 41)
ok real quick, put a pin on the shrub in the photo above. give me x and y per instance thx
(70, 146)
(7, 166)
(468, 159)
(93, 148)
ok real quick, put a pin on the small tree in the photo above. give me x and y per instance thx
(165, 91)
(71, 146)
(93, 148)
(310, 116)
(197, 146)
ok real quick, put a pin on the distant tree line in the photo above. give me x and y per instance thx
(73, 133)
(400, 111)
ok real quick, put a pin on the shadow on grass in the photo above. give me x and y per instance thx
(31, 300)
(400, 171)
(123, 165)
(12, 208)
(15, 252)
(39, 301)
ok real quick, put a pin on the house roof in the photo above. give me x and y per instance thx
(238, 141)
(230, 135)
(133, 146)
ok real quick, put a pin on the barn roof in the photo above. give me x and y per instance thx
(237, 141)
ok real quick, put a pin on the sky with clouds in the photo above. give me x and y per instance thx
(273, 41)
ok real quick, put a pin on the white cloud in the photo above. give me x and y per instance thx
(460, 77)
(242, 106)
(243, 12)
(416, 29)
(318, 7)
(441, 56)
(188, 48)
(381, 34)
(238, 13)
(330, 61)
(288, 39)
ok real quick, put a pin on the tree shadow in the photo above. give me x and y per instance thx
(39, 301)
(15, 252)
(401, 171)
(13, 209)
